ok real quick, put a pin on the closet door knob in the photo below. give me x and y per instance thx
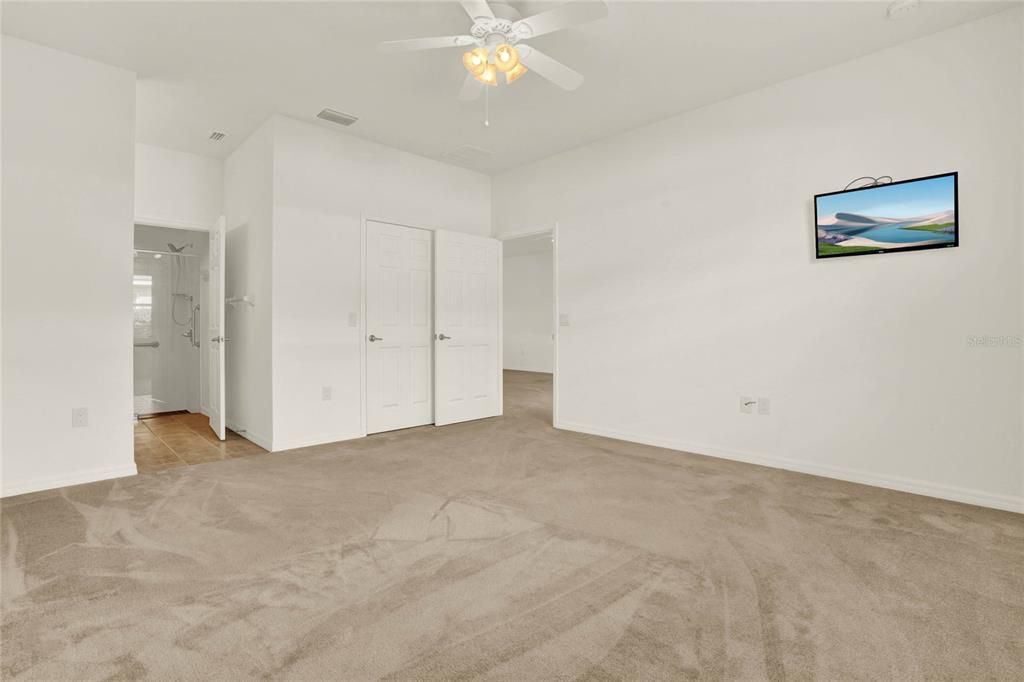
(375, 338)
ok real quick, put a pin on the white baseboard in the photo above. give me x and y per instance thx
(258, 438)
(907, 485)
(315, 440)
(47, 483)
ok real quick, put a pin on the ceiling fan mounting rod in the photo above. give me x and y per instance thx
(492, 40)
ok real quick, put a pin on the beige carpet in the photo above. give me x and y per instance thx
(503, 549)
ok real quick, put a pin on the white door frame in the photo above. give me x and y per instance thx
(174, 225)
(554, 312)
(553, 231)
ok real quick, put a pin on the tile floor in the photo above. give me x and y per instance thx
(175, 440)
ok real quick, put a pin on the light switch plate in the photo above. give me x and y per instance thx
(747, 404)
(353, 319)
(764, 405)
(325, 393)
(563, 319)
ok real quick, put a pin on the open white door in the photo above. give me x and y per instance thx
(215, 306)
(467, 326)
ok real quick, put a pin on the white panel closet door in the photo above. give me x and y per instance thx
(215, 312)
(467, 322)
(399, 314)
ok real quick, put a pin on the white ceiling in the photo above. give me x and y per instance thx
(227, 66)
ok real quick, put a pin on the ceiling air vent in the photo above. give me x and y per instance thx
(337, 117)
(217, 135)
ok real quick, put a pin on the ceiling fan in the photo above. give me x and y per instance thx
(496, 38)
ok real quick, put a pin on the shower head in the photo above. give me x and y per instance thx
(178, 249)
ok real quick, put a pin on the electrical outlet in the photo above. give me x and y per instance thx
(764, 406)
(325, 393)
(747, 404)
(79, 417)
(563, 319)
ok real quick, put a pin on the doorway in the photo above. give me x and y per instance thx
(168, 326)
(528, 358)
(178, 306)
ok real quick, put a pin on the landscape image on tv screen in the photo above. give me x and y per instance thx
(900, 216)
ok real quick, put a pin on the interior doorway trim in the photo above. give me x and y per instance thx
(174, 225)
(553, 231)
(150, 221)
(555, 326)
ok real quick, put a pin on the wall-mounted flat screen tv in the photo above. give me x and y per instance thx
(909, 215)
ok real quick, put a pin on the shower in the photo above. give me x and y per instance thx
(167, 289)
(177, 287)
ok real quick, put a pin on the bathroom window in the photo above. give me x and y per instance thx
(142, 297)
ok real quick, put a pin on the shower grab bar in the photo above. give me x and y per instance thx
(147, 344)
(193, 329)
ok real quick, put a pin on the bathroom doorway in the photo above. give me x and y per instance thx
(169, 328)
(175, 353)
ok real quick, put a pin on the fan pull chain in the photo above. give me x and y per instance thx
(487, 107)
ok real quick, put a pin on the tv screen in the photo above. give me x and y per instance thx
(909, 215)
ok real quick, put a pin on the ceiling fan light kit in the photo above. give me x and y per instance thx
(489, 76)
(513, 74)
(479, 64)
(496, 31)
(475, 61)
(506, 58)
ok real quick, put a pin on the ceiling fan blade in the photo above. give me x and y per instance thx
(552, 69)
(426, 43)
(471, 89)
(477, 9)
(561, 17)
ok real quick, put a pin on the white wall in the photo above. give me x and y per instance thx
(177, 189)
(529, 312)
(248, 210)
(686, 268)
(325, 183)
(67, 267)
